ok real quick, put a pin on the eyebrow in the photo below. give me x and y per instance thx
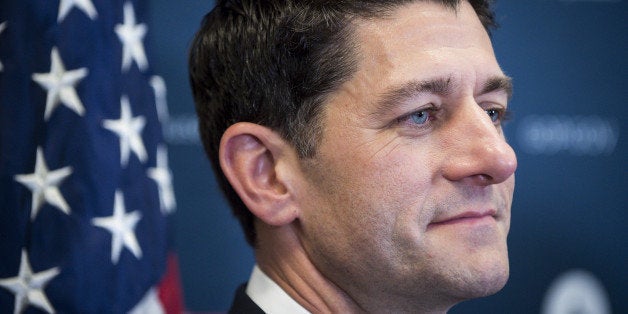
(392, 98)
(498, 83)
(439, 86)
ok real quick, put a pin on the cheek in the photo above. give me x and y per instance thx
(377, 192)
(387, 181)
(363, 185)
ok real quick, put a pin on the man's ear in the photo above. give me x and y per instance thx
(254, 160)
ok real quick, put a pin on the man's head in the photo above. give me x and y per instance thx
(375, 141)
(275, 63)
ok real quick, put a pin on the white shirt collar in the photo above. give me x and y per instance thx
(269, 296)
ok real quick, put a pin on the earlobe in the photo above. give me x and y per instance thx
(250, 157)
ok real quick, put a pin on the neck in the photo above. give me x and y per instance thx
(281, 256)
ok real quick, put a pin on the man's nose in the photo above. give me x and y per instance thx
(477, 151)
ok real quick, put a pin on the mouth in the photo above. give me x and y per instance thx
(468, 217)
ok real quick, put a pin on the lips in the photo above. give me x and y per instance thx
(468, 217)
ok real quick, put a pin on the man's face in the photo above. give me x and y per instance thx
(409, 194)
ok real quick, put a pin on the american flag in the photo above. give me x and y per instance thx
(85, 188)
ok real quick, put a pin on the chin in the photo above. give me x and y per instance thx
(486, 280)
(494, 284)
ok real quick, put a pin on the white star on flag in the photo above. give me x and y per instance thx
(131, 36)
(29, 287)
(122, 227)
(3, 25)
(150, 304)
(159, 88)
(79, 142)
(60, 85)
(84, 5)
(44, 184)
(163, 177)
(128, 129)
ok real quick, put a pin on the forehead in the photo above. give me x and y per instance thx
(421, 40)
(428, 23)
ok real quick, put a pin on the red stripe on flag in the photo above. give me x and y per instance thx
(170, 292)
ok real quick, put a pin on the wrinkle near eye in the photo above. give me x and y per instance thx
(376, 153)
(381, 145)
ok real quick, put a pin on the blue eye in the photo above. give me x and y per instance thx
(420, 117)
(494, 114)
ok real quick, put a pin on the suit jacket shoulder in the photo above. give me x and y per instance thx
(242, 304)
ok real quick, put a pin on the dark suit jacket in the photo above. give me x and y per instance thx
(242, 304)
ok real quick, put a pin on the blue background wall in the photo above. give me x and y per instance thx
(568, 60)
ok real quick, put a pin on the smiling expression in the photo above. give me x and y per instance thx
(407, 200)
